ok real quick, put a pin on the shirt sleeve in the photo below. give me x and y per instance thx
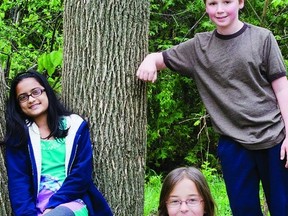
(180, 58)
(274, 62)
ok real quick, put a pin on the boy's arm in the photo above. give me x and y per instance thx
(280, 87)
(147, 70)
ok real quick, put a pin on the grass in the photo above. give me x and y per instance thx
(152, 193)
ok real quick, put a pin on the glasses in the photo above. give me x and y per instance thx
(189, 202)
(36, 92)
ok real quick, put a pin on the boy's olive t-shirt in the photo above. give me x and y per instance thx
(233, 74)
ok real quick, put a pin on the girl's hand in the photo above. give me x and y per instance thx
(46, 211)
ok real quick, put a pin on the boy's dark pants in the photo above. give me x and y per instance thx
(244, 169)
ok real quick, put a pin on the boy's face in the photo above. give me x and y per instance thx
(224, 13)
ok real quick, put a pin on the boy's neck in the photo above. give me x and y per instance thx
(230, 30)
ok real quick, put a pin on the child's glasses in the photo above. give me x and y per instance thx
(189, 202)
(36, 92)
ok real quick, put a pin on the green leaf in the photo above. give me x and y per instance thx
(196, 123)
(56, 58)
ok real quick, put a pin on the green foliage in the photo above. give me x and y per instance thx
(172, 21)
(218, 189)
(31, 37)
(152, 194)
(28, 29)
(273, 16)
(51, 62)
(179, 130)
(173, 138)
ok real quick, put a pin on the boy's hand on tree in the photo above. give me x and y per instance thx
(149, 67)
(147, 70)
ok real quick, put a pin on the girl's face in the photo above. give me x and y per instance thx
(36, 105)
(224, 13)
(185, 200)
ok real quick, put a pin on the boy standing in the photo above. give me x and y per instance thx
(241, 77)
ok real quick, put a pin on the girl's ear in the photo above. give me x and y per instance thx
(241, 4)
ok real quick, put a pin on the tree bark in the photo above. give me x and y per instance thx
(5, 208)
(104, 42)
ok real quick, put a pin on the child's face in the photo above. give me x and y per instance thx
(185, 200)
(224, 13)
(35, 107)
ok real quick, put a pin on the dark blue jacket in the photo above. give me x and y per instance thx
(24, 170)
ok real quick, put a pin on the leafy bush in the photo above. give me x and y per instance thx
(218, 189)
(151, 194)
(28, 29)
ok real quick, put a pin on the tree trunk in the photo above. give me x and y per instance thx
(104, 42)
(5, 208)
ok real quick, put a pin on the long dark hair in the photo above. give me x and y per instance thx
(194, 175)
(17, 121)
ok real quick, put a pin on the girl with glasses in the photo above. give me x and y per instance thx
(185, 192)
(48, 154)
